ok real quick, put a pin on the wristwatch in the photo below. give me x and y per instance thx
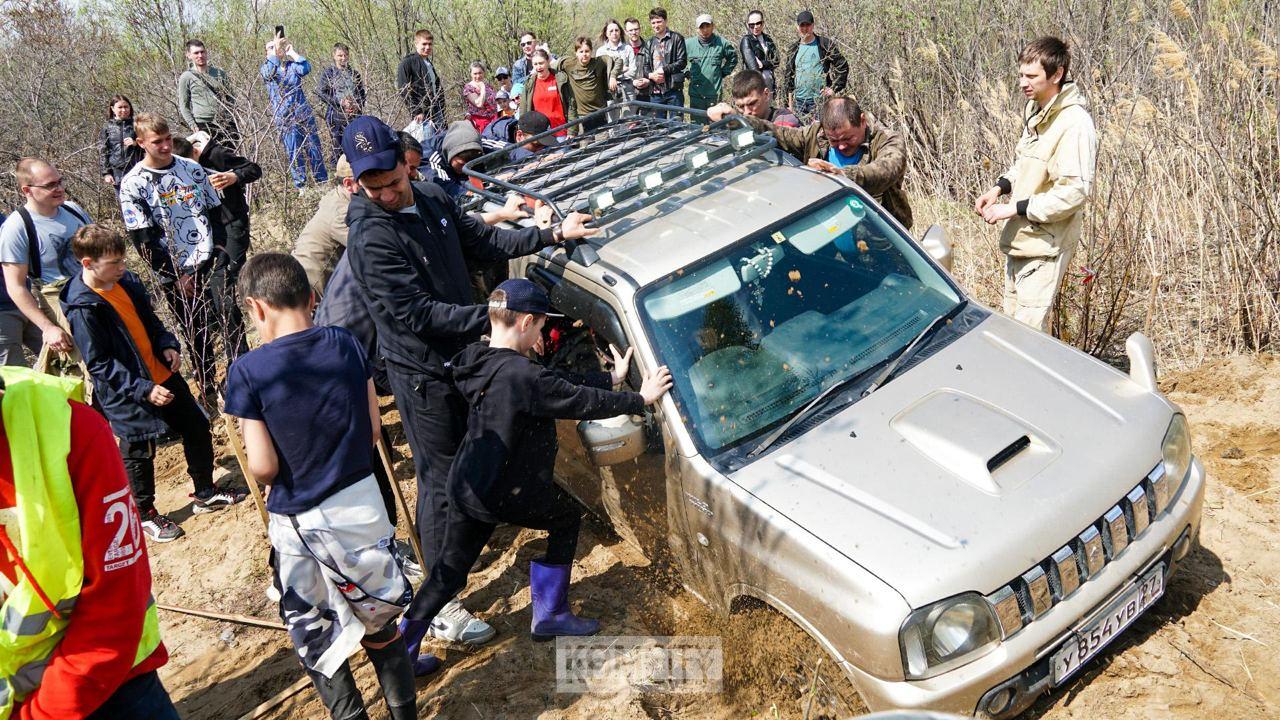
(557, 233)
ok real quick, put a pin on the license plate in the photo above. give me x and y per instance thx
(1091, 638)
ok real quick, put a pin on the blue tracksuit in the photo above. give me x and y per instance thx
(293, 116)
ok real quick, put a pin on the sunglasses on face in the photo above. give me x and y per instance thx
(527, 43)
(755, 24)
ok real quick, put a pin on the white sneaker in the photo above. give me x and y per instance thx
(455, 623)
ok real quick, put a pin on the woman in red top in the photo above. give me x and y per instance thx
(543, 91)
(479, 98)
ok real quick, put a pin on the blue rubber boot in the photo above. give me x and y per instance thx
(549, 586)
(414, 631)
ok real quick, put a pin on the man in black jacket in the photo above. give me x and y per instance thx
(668, 59)
(419, 83)
(759, 52)
(503, 471)
(816, 69)
(409, 246)
(229, 174)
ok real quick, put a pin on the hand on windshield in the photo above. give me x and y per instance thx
(621, 364)
(574, 227)
(655, 385)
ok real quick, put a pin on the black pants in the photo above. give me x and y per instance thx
(223, 276)
(185, 418)
(435, 418)
(142, 698)
(194, 314)
(342, 698)
(337, 126)
(470, 524)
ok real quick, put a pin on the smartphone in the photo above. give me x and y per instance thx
(279, 31)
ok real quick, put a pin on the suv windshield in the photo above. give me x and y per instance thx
(754, 332)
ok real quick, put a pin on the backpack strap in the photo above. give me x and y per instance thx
(75, 214)
(34, 268)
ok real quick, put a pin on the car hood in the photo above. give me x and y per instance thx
(904, 482)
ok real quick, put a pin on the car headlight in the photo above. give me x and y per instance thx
(947, 634)
(1176, 449)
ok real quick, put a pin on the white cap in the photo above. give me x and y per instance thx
(703, 19)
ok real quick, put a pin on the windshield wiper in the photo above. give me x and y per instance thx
(804, 412)
(910, 349)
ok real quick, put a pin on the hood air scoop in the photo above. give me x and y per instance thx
(982, 445)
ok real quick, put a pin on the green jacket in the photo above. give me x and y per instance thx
(709, 64)
(588, 84)
(880, 173)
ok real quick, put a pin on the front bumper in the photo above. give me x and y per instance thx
(1007, 680)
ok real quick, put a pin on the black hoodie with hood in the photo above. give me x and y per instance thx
(511, 429)
(412, 268)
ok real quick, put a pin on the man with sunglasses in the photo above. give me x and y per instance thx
(523, 68)
(759, 52)
(35, 255)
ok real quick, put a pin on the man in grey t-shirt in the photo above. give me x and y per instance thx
(34, 273)
(205, 99)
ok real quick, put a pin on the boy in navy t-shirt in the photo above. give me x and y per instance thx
(309, 415)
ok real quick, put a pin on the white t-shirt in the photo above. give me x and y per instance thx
(56, 262)
(175, 200)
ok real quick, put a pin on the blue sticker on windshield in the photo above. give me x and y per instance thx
(854, 204)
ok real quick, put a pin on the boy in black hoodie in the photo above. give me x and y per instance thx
(503, 470)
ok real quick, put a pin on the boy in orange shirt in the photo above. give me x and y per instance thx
(134, 361)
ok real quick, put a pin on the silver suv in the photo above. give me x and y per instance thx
(960, 510)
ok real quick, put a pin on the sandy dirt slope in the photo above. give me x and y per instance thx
(1208, 650)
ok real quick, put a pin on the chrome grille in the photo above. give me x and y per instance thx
(1058, 576)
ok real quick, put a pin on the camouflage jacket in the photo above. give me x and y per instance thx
(880, 172)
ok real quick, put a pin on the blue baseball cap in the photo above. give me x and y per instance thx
(370, 144)
(524, 297)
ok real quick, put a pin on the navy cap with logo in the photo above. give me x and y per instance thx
(524, 297)
(804, 17)
(370, 144)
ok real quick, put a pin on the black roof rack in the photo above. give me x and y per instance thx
(623, 165)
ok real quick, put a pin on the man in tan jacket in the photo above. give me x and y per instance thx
(324, 237)
(1048, 184)
(848, 141)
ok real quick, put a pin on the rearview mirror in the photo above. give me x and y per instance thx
(613, 440)
(935, 243)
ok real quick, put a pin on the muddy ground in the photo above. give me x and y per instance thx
(1207, 650)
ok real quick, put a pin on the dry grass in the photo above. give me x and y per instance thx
(1184, 94)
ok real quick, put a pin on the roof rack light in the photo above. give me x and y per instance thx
(602, 201)
(699, 159)
(651, 181)
(743, 139)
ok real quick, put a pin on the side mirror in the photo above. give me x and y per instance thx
(935, 243)
(613, 440)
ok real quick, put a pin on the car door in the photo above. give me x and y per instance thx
(631, 495)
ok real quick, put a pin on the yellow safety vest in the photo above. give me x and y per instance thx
(37, 423)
